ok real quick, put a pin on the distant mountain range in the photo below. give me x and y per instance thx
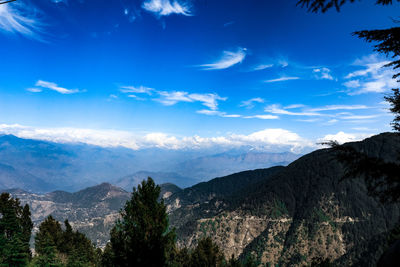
(40, 166)
(292, 215)
(281, 215)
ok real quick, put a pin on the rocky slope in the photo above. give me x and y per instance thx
(300, 213)
(92, 211)
(281, 215)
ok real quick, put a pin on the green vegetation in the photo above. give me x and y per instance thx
(57, 247)
(278, 210)
(15, 232)
(142, 237)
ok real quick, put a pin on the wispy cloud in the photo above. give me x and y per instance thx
(173, 97)
(340, 107)
(360, 117)
(217, 113)
(263, 67)
(372, 78)
(293, 106)
(226, 115)
(229, 23)
(227, 60)
(18, 18)
(170, 98)
(208, 100)
(323, 73)
(34, 90)
(167, 7)
(133, 89)
(276, 109)
(282, 79)
(55, 87)
(250, 103)
(262, 117)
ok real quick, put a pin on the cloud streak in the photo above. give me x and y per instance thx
(282, 79)
(227, 60)
(133, 89)
(167, 7)
(171, 98)
(373, 78)
(55, 87)
(276, 109)
(17, 18)
(250, 103)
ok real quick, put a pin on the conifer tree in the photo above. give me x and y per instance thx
(15, 231)
(50, 233)
(142, 236)
(206, 254)
(56, 246)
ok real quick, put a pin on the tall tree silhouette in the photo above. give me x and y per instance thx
(142, 236)
(15, 232)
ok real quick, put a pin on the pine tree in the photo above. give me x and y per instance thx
(206, 254)
(50, 232)
(56, 246)
(142, 236)
(15, 232)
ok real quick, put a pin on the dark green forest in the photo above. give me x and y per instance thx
(141, 237)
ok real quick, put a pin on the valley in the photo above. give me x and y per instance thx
(279, 215)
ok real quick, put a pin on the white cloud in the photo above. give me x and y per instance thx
(173, 97)
(18, 18)
(208, 100)
(323, 73)
(169, 98)
(133, 89)
(373, 78)
(331, 122)
(342, 137)
(228, 60)
(262, 117)
(359, 117)
(294, 106)
(55, 87)
(34, 90)
(268, 139)
(263, 67)
(276, 109)
(352, 84)
(167, 7)
(217, 113)
(340, 107)
(283, 62)
(225, 115)
(250, 103)
(308, 120)
(282, 79)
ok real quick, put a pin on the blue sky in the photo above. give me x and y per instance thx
(191, 74)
